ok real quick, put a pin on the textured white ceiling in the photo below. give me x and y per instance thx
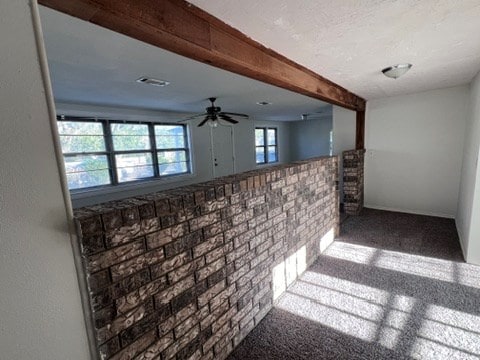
(350, 41)
(92, 65)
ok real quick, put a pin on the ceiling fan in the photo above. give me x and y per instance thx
(213, 113)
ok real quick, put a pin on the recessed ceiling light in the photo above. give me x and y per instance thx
(151, 81)
(263, 103)
(395, 71)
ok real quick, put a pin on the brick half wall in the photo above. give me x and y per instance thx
(188, 273)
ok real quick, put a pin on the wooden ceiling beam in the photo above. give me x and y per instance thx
(183, 28)
(360, 130)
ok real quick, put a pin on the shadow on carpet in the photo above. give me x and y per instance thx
(283, 335)
(413, 234)
(393, 286)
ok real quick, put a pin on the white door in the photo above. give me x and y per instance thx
(223, 154)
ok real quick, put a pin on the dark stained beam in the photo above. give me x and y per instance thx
(183, 28)
(360, 130)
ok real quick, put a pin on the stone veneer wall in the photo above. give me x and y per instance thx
(187, 273)
(353, 172)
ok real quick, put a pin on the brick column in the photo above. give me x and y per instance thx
(353, 171)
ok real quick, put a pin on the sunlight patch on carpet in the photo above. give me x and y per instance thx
(337, 319)
(437, 269)
(419, 325)
(287, 271)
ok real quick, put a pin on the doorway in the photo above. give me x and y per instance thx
(222, 150)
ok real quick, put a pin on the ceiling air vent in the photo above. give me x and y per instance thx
(151, 81)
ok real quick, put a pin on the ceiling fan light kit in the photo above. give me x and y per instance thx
(212, 123)
(395, 71)
(213, 114)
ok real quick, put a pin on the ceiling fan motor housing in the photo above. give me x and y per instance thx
(213, 109)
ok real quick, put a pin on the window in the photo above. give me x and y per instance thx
(104, 152)
(172, 150)
(85, 154)
(266, 147)
(132, 151)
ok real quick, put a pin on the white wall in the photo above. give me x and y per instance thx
(344, 132)
(469, 197)
(40, 308)
(414, 151)
(310, 138)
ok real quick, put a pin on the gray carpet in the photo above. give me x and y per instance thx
(393, 286)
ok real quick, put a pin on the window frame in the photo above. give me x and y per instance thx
(109, 136)
(73, 154)
(185, 149)
(110, 152)
(265, 145)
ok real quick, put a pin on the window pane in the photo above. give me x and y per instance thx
(165, 157)
(79, 128)
(272, 136)
(126, 142)
(134, 166)
(88, 179)
(260, 155)
(169, 130)
(170, 141)
(172, 162)
(259, 138)
(86, 171)
(130, 137)
(272, 153)
(129, 129)
(79, 143)
(81, 163)
(173, 168)
(77, 137)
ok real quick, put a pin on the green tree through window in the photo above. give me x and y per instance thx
(85, 155)
(104, 152)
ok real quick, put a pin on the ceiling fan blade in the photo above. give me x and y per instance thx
(228, 119)
(192, 117)
(235, 114)
(204, 121)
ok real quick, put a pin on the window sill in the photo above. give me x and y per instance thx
(142, 186)
(268, 164)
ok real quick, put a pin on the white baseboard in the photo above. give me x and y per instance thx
(409, 211)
